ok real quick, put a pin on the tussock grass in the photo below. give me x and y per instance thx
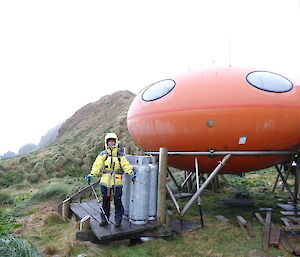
(7, 224)
(11, 246)
(6, 199)
(53, 219)
(50, 249)
(57, 191)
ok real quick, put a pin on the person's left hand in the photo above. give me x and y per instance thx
(133, 177)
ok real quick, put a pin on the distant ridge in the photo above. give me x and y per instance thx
(72, 147)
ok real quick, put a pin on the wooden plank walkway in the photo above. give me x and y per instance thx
(288, 207)
(126, 229)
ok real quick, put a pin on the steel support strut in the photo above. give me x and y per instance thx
(173, 199)
(296, 186)
(284, 182)
(205, 184)
(186, 180)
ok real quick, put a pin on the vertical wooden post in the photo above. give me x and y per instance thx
(85, 223)
(267, 228)
(163, 172)
(66, 209)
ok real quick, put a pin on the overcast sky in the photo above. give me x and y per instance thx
(57, 56)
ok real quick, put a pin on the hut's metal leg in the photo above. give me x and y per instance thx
(189, 183)
(284, 182)
(186, 179)
(275, 185)
(204, 185)
(198, 186)
(173, 199)
(296, 186)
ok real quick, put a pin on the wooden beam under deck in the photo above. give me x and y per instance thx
(103, 233)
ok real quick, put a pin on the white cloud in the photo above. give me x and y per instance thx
(56, 56)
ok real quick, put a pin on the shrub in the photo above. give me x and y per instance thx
(72, 171)
(76, 148)
(60, 161)
(3, 168)
(24, 185)
(80, 154)
(22, 197)
(32, 177)
(53, 219)
(48, 166)
(69, 157)
(78, 161)
(38, 166)
(90, 158)
(85, 168)
(10, 178)
(6, 199)
(55, 157)
(7, 224)
(78, 186)
(240, 190)
(89, 141)
(50, 249)
(27, 167)
(23, 160)
(56, 191)
(11, 246)
(61, 149)
(95, 142)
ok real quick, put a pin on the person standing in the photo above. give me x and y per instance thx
(112, 162)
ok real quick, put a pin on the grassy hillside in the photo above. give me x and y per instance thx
(79, 141)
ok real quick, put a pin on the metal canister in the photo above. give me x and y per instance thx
(126, 181)
(153, 188)
(139, 196)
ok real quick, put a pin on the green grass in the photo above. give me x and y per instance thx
(7, 223)
(57, 191)
(11, 178)
(53, 192)
(12, 246)
(6, 199)
(216, 239)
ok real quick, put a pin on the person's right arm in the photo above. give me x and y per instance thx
(98, 165)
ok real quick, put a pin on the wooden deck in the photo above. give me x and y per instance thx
(126, 230)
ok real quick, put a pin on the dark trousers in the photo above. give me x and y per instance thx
(116, 192)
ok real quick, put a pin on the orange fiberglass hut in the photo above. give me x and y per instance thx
(234, 110)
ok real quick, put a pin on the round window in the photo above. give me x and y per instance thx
(269, 81)
(158, 90)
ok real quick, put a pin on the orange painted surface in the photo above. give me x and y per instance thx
(178, 121)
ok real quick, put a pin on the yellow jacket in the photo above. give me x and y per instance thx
(108, 162)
